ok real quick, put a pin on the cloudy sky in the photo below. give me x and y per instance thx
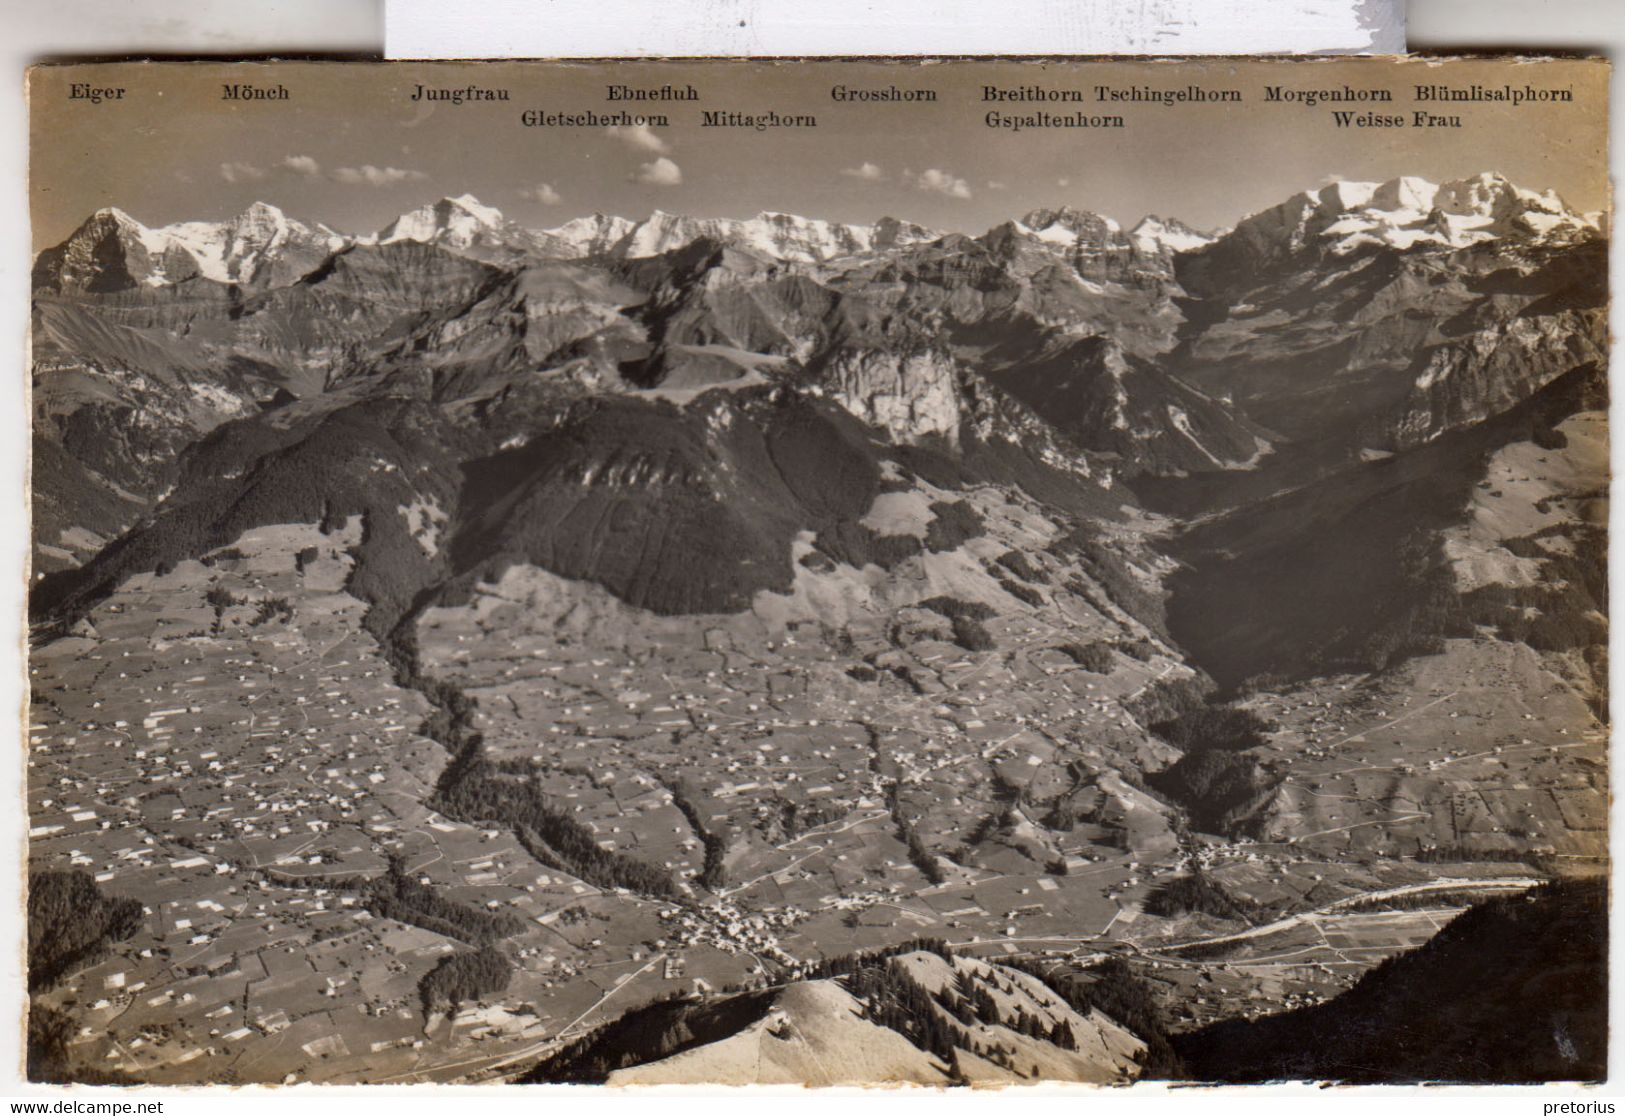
(350, 148)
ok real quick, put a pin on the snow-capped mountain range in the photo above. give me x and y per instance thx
(464, 224)
(1404, 212)
(264, 247)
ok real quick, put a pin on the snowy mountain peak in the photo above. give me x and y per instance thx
(262, 211)
(261, 244)
(1156, 234)
(1067, 219)
(115, 214)
(1493, 196)
(468, 203)
(663, 232)
(587, 236)
(809, 240)
(1404, 192)
(1342, 196)
(456, 222)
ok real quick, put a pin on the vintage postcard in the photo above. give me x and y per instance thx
(823, 572)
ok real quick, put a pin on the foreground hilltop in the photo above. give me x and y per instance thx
(921, 1015)
(925, 1016)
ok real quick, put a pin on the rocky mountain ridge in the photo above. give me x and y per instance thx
(1106, 353)
(920, 1015)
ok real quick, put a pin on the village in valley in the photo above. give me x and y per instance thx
(223, 741)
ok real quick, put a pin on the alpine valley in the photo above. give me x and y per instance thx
(777, 650)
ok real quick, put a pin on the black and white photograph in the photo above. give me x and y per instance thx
(827, 573)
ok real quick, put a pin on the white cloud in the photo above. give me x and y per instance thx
(661, 172)
(867, 171)
(241, 172)
(994, 184)
(302, 164)
(369, 175)
(941, 182)
(641, 137)
(541, 192)
(1063, 182)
